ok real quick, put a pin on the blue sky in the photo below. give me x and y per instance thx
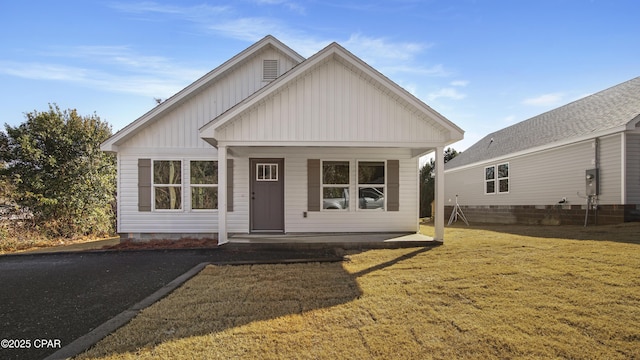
(483, 64)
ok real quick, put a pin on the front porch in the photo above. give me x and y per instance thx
(333, 240)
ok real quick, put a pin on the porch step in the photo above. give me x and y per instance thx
(332, 240)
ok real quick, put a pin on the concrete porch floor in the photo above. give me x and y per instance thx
(333, 240)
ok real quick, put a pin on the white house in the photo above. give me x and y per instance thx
(272, 142)
(544, 169)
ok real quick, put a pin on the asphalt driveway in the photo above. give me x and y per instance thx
(60, 297)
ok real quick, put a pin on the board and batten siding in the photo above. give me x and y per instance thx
(179, 127)
(332, 103)
(633, 168)
(542, 178)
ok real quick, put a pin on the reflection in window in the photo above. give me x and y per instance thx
(335, 185)
(371, 182)
(501, 177)
(204, 185)
(167, 184)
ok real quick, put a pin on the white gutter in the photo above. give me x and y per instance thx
(550, 146)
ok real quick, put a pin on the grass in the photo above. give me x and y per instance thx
(12, 242)
(17, 236)
(488, 293)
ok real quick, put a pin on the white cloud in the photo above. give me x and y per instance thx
(291, 5)
(545, 100)
(376, 49)
(509, 120)
(121, 69)
(435, 70)
(187, 12)
(411, 88)
(384, 54)
(460, 83)
(450, 93)
(40, 71)
(116, 69)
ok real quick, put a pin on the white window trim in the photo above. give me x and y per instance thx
(485, 180)
(384, 186)
(348, 186)
(498, 178)
(154, 185)
(190, 186)
(271, 172)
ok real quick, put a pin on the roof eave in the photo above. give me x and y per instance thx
(129, 130)
(607, 132)
(455, 132)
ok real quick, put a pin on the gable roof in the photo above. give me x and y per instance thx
(333, 50)
(609, 111)
(130, 130)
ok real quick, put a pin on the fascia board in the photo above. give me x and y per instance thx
(188, 91)
(456, 132)
(545, 147)
(206, 130)
(333, 49)
(634, 124)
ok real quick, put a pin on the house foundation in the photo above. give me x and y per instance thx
(549, 214)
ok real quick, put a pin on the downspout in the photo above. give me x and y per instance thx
(596, 156)
(623, 168)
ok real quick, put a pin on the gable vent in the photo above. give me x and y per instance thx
(269, 70)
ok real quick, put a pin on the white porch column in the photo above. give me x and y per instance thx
(439, 194)
(222, 195)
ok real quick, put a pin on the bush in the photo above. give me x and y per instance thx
(56, 169)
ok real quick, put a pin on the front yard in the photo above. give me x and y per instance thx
(499, 292)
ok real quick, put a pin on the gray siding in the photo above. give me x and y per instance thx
(611, 170)
(633, 169)
(543, 178)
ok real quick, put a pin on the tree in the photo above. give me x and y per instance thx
(56, 168)
(427, 182)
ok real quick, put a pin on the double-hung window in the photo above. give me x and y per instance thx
(490, 180)
(204, 185)
(167, 184)
(335, 185)
(371, 185)
(496, 179)
(503, 178)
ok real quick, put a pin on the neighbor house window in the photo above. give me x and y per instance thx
(335, 185)
(490, 180)
(503, 178)
(371, 183)
(496, 179)
(204, 185)
(167, 184)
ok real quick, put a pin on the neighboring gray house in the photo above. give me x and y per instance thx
(542, 169)
(272, 142)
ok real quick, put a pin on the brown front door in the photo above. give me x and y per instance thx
(267, 194)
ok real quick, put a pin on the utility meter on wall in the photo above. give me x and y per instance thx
(592, 182)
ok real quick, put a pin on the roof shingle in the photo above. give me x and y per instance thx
(607, 109)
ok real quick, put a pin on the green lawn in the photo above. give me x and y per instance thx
(560, 292)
